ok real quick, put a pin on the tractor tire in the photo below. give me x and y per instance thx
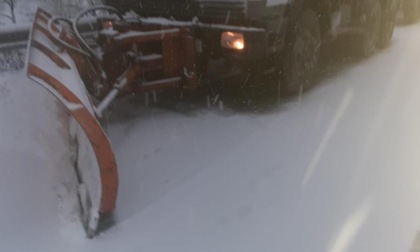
(372, 27)
(253, 89)
(411, 10)
(302, 55)
(388, 21)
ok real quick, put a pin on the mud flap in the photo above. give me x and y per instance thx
(53, 68)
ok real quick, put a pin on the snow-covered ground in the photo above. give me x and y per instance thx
(337, 171)
(36, 174)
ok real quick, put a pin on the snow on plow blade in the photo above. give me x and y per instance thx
(52, 67)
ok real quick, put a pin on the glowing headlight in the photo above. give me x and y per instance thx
(233, 40)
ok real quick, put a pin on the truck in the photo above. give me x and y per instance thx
(410, 10)
(290, 35)
(101, 54)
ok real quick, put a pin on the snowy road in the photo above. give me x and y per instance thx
(337, 171)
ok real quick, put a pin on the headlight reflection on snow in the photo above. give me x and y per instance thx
(342, 108)
(352, 226)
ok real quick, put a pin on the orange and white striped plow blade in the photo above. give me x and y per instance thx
(53, 68)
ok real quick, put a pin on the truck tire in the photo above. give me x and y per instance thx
(389, 15)
(410, 9)
(372, 27)
(302, 55)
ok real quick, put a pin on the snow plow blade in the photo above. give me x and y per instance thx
(54, 68)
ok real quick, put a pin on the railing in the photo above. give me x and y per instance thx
(14, 37)
(13, 43)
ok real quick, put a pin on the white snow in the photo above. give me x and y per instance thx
(337, 171)
(165, 21)
(36, 199)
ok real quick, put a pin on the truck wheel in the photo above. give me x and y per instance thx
(410, 9)
(302, 54)
(389, 15)
(373, 20)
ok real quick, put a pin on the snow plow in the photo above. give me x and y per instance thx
(86, 76)
(101, 55)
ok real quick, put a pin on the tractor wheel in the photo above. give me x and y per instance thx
(371, 34)
(389, 14)
(302, 55)
(410, 9)
(252, 89)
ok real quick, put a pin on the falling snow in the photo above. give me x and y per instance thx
(335, 169)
